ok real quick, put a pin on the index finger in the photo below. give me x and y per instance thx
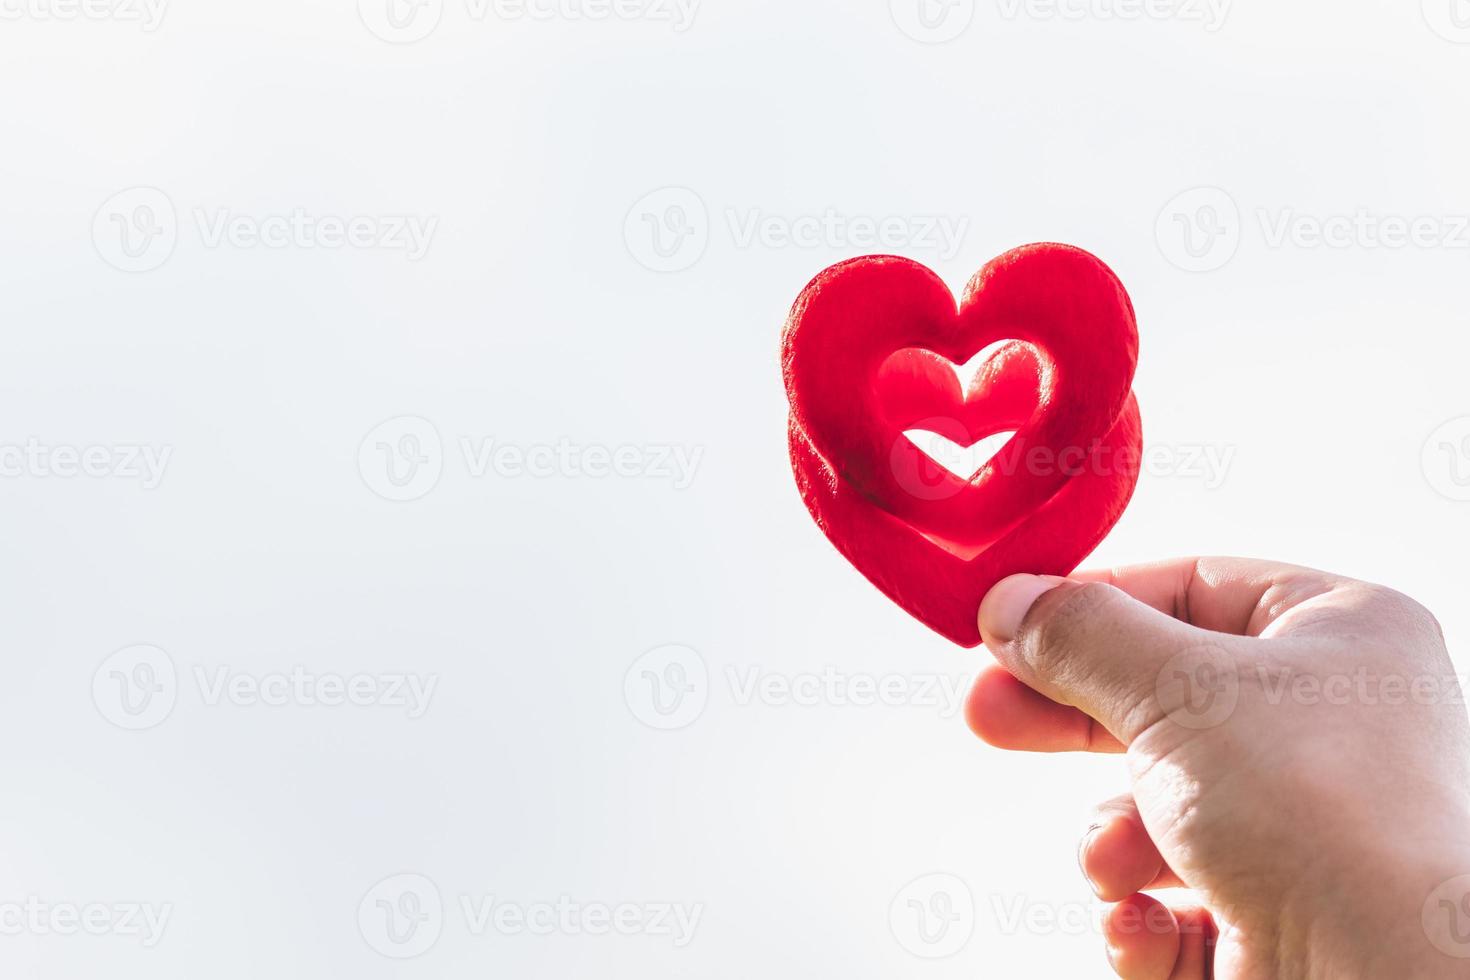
(1240, 596)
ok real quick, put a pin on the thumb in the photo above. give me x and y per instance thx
(1096, 648)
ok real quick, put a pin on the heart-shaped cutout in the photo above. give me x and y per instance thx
(957, 407)
(964, 462)
(869, 356)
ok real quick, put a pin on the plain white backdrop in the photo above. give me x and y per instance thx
(403, 573)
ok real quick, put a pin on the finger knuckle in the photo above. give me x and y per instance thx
(1059, 624)
(1402, 613)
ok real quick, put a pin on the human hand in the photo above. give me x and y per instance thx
(1298, 751)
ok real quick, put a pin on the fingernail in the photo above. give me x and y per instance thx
(1087, 838)
(1114, 954)
(1006, 605)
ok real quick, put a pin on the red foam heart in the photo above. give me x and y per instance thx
(864, 357)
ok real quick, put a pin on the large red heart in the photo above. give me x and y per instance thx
(865, 356)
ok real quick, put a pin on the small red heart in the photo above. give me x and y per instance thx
(868, 354)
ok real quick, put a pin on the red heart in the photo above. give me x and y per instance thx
(864, 357)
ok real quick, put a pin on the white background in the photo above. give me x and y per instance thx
(537, 317)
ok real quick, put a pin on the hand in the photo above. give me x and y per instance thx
(1298, 752)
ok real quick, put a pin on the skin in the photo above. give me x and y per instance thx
(1297, 750)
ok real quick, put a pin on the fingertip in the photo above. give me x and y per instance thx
(1118, 858)
(1006, 605)
(1003, 712)
(1198, 934)
(1008, 714)
(1142, 938)
(988, 706)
